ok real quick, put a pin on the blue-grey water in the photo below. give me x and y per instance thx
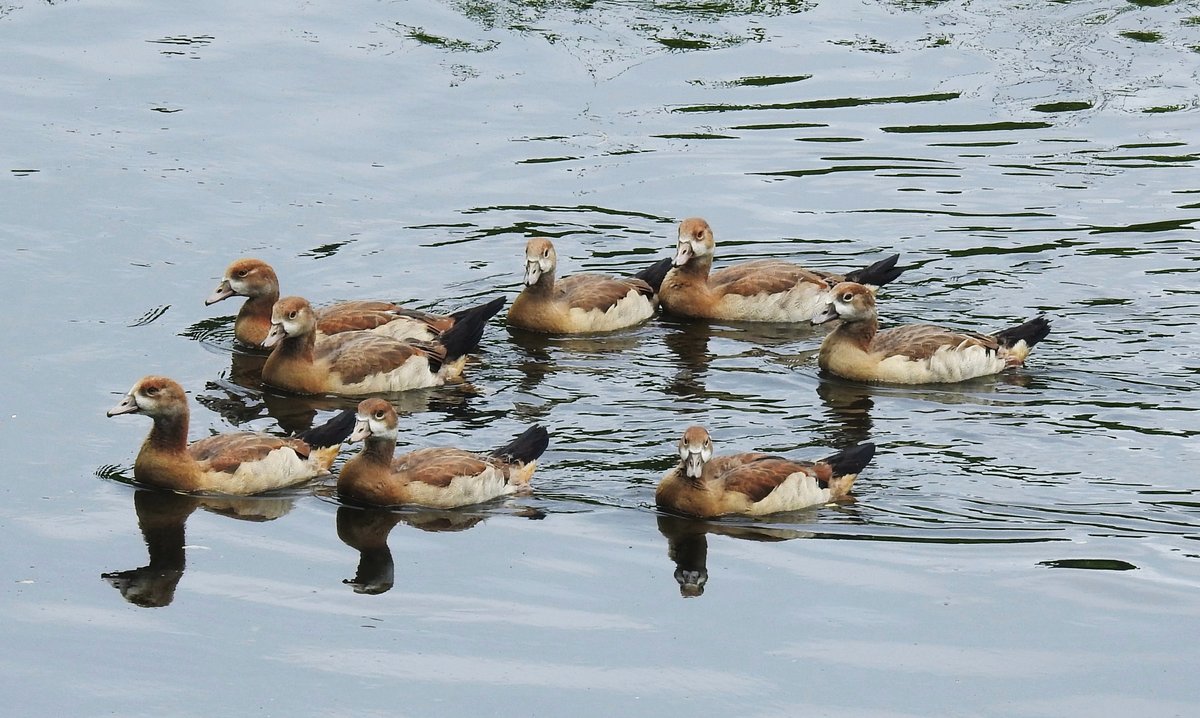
(1024, 545)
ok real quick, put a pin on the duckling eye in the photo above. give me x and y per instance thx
(379, 414)
(847, 297)
(242, 273)
(545, 253)
(292, 315)
(151, 390)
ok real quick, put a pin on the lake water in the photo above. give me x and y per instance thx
(1021, 546)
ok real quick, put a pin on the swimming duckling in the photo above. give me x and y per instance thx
(439, 477)
(914, 353)
(753, 484)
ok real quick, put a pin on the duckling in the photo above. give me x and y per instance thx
(257, 281)
(763, 290)
(238, 463)
(353, 363)
(914, 353)
(582, 302)
(435, 477)
(753, 484)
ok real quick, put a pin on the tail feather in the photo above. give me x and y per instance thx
(846, 464)
(332, 432)
(1031, 332)
(877, 274)
(526, 447)
(463, 338)
(655, 273)
(490, 308)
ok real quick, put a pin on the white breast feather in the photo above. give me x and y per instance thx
(798, 304)
(633, 308)
(463, 490)
(947, 365)
(282, 467)
(412, 374)
(796, 492)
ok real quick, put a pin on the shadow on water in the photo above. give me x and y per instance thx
(162, 517)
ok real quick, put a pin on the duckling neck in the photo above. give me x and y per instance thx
(860, 332)
(379, 450)
(298, 348)
(544, 284)
(169, 434)
(256, 312)
(696, 268)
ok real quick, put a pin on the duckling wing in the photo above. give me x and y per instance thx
(758, 474)
(922, 341)
(597, 292)
(357, 315)
(763, 276)
(354, 356)
(439, 466)
(226, 452)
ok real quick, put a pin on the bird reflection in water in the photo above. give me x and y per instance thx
(687, 540)
(689, 341)
(540, 351)
(366, 530)
(162, 516)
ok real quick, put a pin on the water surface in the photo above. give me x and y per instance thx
(1022, 545)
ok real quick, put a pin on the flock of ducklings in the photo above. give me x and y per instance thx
(370, 347)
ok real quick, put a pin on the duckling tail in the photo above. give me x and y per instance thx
(1031, 332)
(846, 464)
(655, 273)
(526, 447)
(488, 309)
(332, 432)
(877, 274)
(463, 338)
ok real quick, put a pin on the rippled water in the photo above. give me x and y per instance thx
(1021, 545)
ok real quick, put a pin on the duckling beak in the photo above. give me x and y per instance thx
(362, 430)
(682, 255)
(533, 272)
(223, 291)
(276, 335)
(693, 464)
(127, 406)
(829, 313)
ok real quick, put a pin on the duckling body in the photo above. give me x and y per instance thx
(439, 477)
(580, 303)
(753, 484)
(236, 463)
(914, 353)
(353, 363)
(256, 280)
(764, 290)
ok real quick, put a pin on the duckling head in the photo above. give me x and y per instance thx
(375, 417)
(848, 301)
(290, 317)
(540, 260)
(695, 449)
(695, 240)
(246, 277)
(153, 396)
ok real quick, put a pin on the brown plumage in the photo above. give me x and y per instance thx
(579, 303)
(768, 290)
(914, 353)
(362, 362)
(435, 477)
(753, 483)
(257, 281)
(238, 463)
